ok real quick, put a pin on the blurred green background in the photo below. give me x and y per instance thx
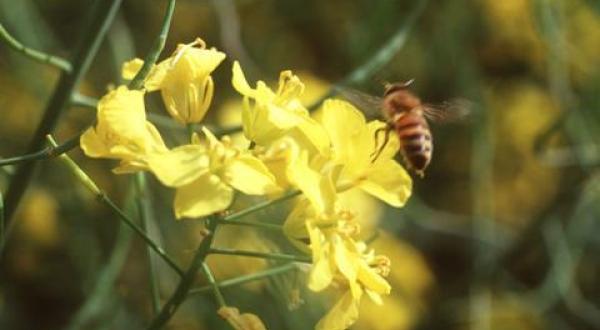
(502, 233)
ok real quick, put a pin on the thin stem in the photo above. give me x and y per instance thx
(249, 223)
(246, 278)
(213, 285)
(187, 280)
(103, 198)
(103, 14)
(157, 47)
(238, 215)
(146, 217)
(80, 100)
(263, 255)
(44, 153)
(36, 55)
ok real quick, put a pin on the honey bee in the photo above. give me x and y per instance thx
(407, 117)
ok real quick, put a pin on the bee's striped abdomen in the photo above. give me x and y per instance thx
(415, 139)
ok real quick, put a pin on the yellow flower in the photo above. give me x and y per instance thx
(349, 163)
(207, 172)
(337, 257)
(183, 79)
(246, 321)
(122, 131)
(353, 144)
(271, 114)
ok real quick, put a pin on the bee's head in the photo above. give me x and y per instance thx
(391, 88)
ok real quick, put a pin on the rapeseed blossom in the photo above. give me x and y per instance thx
(183, 79)
(122, 131)
(321, 156)
(269, 115)
(338, 259)
(206, 173)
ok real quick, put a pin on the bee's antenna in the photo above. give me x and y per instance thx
(408, 83)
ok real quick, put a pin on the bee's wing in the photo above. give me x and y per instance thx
(369, 104)
(451, 111)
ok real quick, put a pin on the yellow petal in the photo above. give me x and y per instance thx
(155, 77)
(187, 88)
(244, 321)
(131, 68)
(127, 166)
(92, 145)
(375, 297)
(346, 261)
(348, 132)
(205, 196)
(315, 133)
(250, 176)
(179, 166)
(321, 274)
(319, 189)
(202, 61)
(295, 226)
(239, 82)
(388, 181)
(343, 314)
(122, 112)
(373, 281)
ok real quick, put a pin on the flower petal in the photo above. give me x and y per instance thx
(321, 273)
(346, 261)
(347, 130)
(179, 166)
(92, 144)
(131, 68)
(343, 314)
(373, 281)
(246, 321)
(317, 187)
(239, 82)
(205, 196)
(388, 181)
(154, 78)
(250, 176)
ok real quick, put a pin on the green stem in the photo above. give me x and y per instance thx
(238, 215)
(44, 153)
(103, 13)
(80, 100)
(249, 223)
(146, 217)
(105, 200)
(36, 55)
(213, 285)
(157, 47)
(91, 185)
(187, 280)
(263, 255)
(246, 278)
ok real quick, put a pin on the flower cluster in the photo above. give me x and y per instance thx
(321, 155)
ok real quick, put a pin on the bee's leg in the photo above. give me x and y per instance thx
(379, 148)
